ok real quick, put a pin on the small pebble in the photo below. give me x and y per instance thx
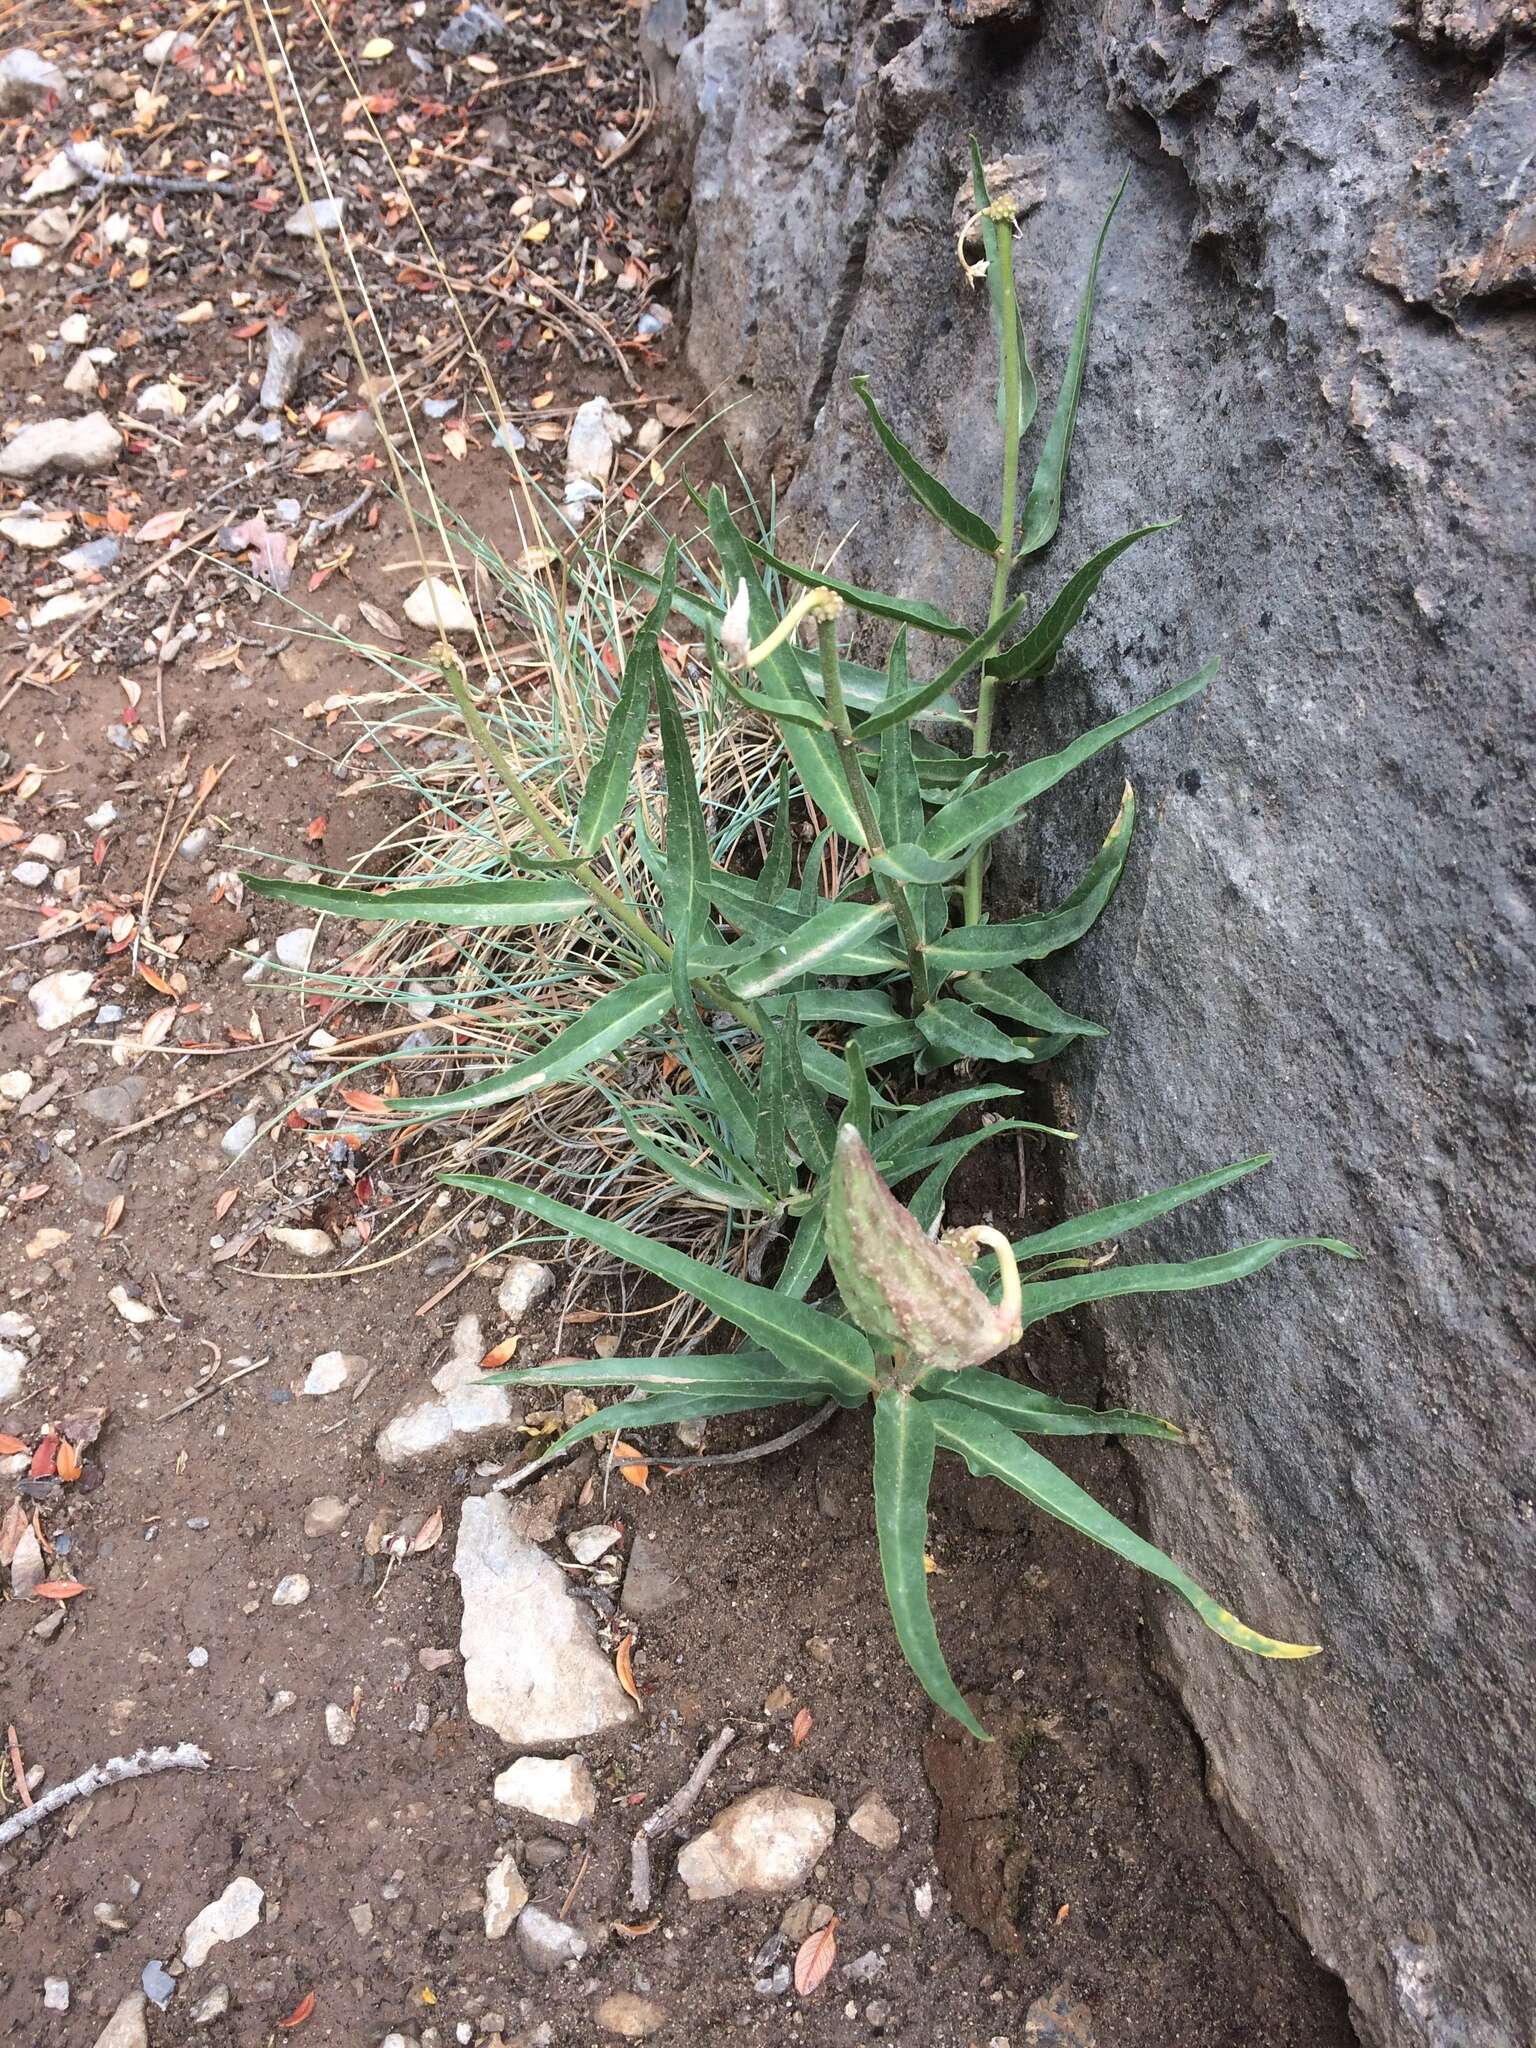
(197, 1657)
(291, 1591)
(55, 1994)
(339, 1726)
(159, 1985)
(238, 1136)
(282, 1700)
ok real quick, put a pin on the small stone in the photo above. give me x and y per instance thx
(285, 360)
(159, 1985)
(1059, 2021)
(230, 1916)
(114, 1103)
(802, 1917)
(211, 2006)
(873, 1822)
(127, 2027)
(315, 217)
(240, 1134)
(40, 533)
(47, 846)
(596, 432)
(75, 330)
(69, 604)
(294, 948)
(282, 1701)
(326, 1515)
(588, 1545)
(15, 1085)
(525, 1282)
(75, 447)
(361, 1917)
(292, 1590)
(93, 558)
(866, 1968)
(350, 430)
(81, 379)
(766, 1841)
(339, 1726)
(460, 1408)
(648, 439)
(547, 1943)
(467, 31)
(559, 1789)
(433, 1658)
(61, 998)
(437, 607)
(304, 1244)
(27, 80)
(55, 1994)
(330, 1372)
(161, 401)
(197, 1657)
(505, 1896)
(31, 874)
(27, 255)
(629, 2016)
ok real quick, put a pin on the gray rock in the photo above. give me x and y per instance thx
(467, 31)
(329, 1373)
(159, 1985)
(505, 1896)
(1321, 942)
(229, 1917)
(533, 1671)
(28, 80)
(114, 1103)
(461, 1408)
(524, 1283)
(555, 1788)
(292, 1590)
(285, 360)
(766, 1841)
(1059, 2021)
(77, 447)
(326, 1515)
(315, 217)
(211, 2006)
(548, 1943)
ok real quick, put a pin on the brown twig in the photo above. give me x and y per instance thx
(819, 1420)
(18, 1768)
(204, 1393)
(668, 1817)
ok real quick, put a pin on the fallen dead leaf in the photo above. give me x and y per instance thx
(59, 1589)
(631, 1465)
(624, 1665)
(164, 525)
(225, 1201)
(44, 1457)
(12, 1447)
(114, 1215)
(633, 1930)
(499, 1354)
(801, 1726)
(814, 1957)
(13, 1526)
(429, 1532)
(69, 1462)
(300, 2013)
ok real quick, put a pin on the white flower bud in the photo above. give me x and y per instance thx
(736, 629)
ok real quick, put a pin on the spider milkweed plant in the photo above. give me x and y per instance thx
(782, 998)
(910, 1336)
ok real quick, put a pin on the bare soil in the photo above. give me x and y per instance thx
(1077, 1861)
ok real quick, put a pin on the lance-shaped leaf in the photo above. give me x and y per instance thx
(608, 786)
(720, 1082)
(1102, 1226)
(814, 1348)
(770, 1152)
(1042, 508)
(1029, 1412)
(914, 1130)
(741, 1191)
(844, 938)
(993, 1452)
(1001, 307)
(775, 874)
(910, 1295)
(685, 883)
(805, 1113)
(1007, 993)
(724, 1372)
(1036, 653)
(906, 611)
(914, 702)
(980, 814)
(807, 1254)
(904, 1446)
(600, 1029)
(905, 861)
(952, 1030)
(941, 504)
(1050, 1297)
(488, 905)
(859, 1108)
(813, 753)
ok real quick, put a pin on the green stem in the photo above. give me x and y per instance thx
(981, 741)
(893, 891)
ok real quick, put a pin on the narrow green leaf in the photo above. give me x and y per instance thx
(1051, 1297)
(907, 611)
(962, 522)
(1001, 310)
(811, 1346)
(904, 861)
(770, 1152)
(847, 1006)
(685, 886)
(723, 1372)
(879, 1044)
(1007, 993)
(910, 1134)
(696, 1180)
(980, 814)
(608, 786)
(813, 753)
(1036, 653)
(955, 1031)
(927, 1201)
(654, 1411)
(1030, 1412)
(488, 905)
(913, 703)
(775, 874)
(904, 1446)
(807, 1254)
(1101, 1226)
(1042, 508)
(838, 940)
(805, 1114)
(720, 1082)
(859, 1106)
(993, 1452)
(601, 1029)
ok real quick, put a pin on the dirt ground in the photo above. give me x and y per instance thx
(1071, 1884)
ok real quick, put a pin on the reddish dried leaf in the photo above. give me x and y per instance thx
(498, 1354)
(315, 829)
(624, 1665)
(43, 1457)
(156, 980)
(814, 1957)
(801, 1726)
(631, 1465)
(300, 2013)
(114, 1215)
(11, 1446)
(58, 1589)
(224, 1203)
(69, 1464)
(363, 1102)
(633, 1930)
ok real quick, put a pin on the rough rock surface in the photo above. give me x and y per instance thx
(766, 1841)
(461, 1408)
(1313, 344)
(560, 1789)
(533, 1670)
